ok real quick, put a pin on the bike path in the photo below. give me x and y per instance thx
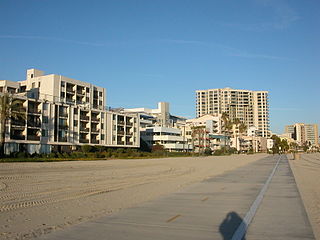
(212, 209)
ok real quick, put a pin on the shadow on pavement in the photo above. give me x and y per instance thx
(229, 225)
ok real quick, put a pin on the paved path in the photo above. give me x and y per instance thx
(212, 209)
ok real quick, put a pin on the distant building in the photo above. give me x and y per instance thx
(158, 126)
(205, 132)
(63, 114)
(303, 133)
(250, 107)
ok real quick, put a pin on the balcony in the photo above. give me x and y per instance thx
(95, 130)
(34, 111)
(95, 141)
(34, 124)
(64, 127)
(63, 114)
(95, 119)
(80, 92)
(120, 142)
(18, 137)
(84, 118)
(84, 129)
(129, 123)
(20, 123)
(129, 143)
(120, 132)
(82, 140)
(69, 101)
(129, 133)
(120, 122)
(33, 138)
(62, 139)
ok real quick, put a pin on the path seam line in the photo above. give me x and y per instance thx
(242, 228)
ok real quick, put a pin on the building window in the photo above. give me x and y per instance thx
(102, 136)
(75, 111)
(100, 94)
(45, 106)
(63, 84)
(44, 133)
(33, 85)
(75, 123)
(102, 126)
(45, 119)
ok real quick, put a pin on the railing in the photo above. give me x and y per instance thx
(95, 119)
(80, 92)
(63, 114)
(120, 122)
(120, 132)
(82, 129)
(129, 143)
(95, 141)
(82, 117)
(70, 90)
(62, 139)
(84, 140)
(120, 142)
(34, 110)
(33, 138)
(129, 123)
(34, 124)
(65, 127)
(95, 130)
(18, 123)
(17, 137)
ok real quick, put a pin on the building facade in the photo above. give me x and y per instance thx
(158, 126)
(63, 113)
(303, 133)
(250, 107)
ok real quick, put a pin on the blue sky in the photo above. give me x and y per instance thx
(146, 51)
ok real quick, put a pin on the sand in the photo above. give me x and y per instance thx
(306, 170)
(38, 198)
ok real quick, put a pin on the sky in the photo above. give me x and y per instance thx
(147, 51)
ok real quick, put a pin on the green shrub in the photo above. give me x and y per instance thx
(86, 148)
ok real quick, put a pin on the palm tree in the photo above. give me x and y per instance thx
(227, 126)
(237, 122)
(10, 108)
(198, 132)
(242, 129)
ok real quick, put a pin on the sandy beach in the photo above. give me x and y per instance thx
(38, 198)
(306, 170)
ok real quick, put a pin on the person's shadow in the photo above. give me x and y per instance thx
(229, 226)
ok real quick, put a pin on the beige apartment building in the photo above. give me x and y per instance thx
(62, 114)
(251, 107)
(303, 133)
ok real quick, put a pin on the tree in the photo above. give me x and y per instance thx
(227, 126)
(198, 133)
(237, 122)
(10, 108)
(242, 129)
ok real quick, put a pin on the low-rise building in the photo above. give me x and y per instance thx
(158, 126)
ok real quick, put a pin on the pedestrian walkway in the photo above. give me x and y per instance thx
(212, 209)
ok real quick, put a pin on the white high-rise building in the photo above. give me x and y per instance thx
(251, 107)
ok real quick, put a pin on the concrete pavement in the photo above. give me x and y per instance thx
(212, 209)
